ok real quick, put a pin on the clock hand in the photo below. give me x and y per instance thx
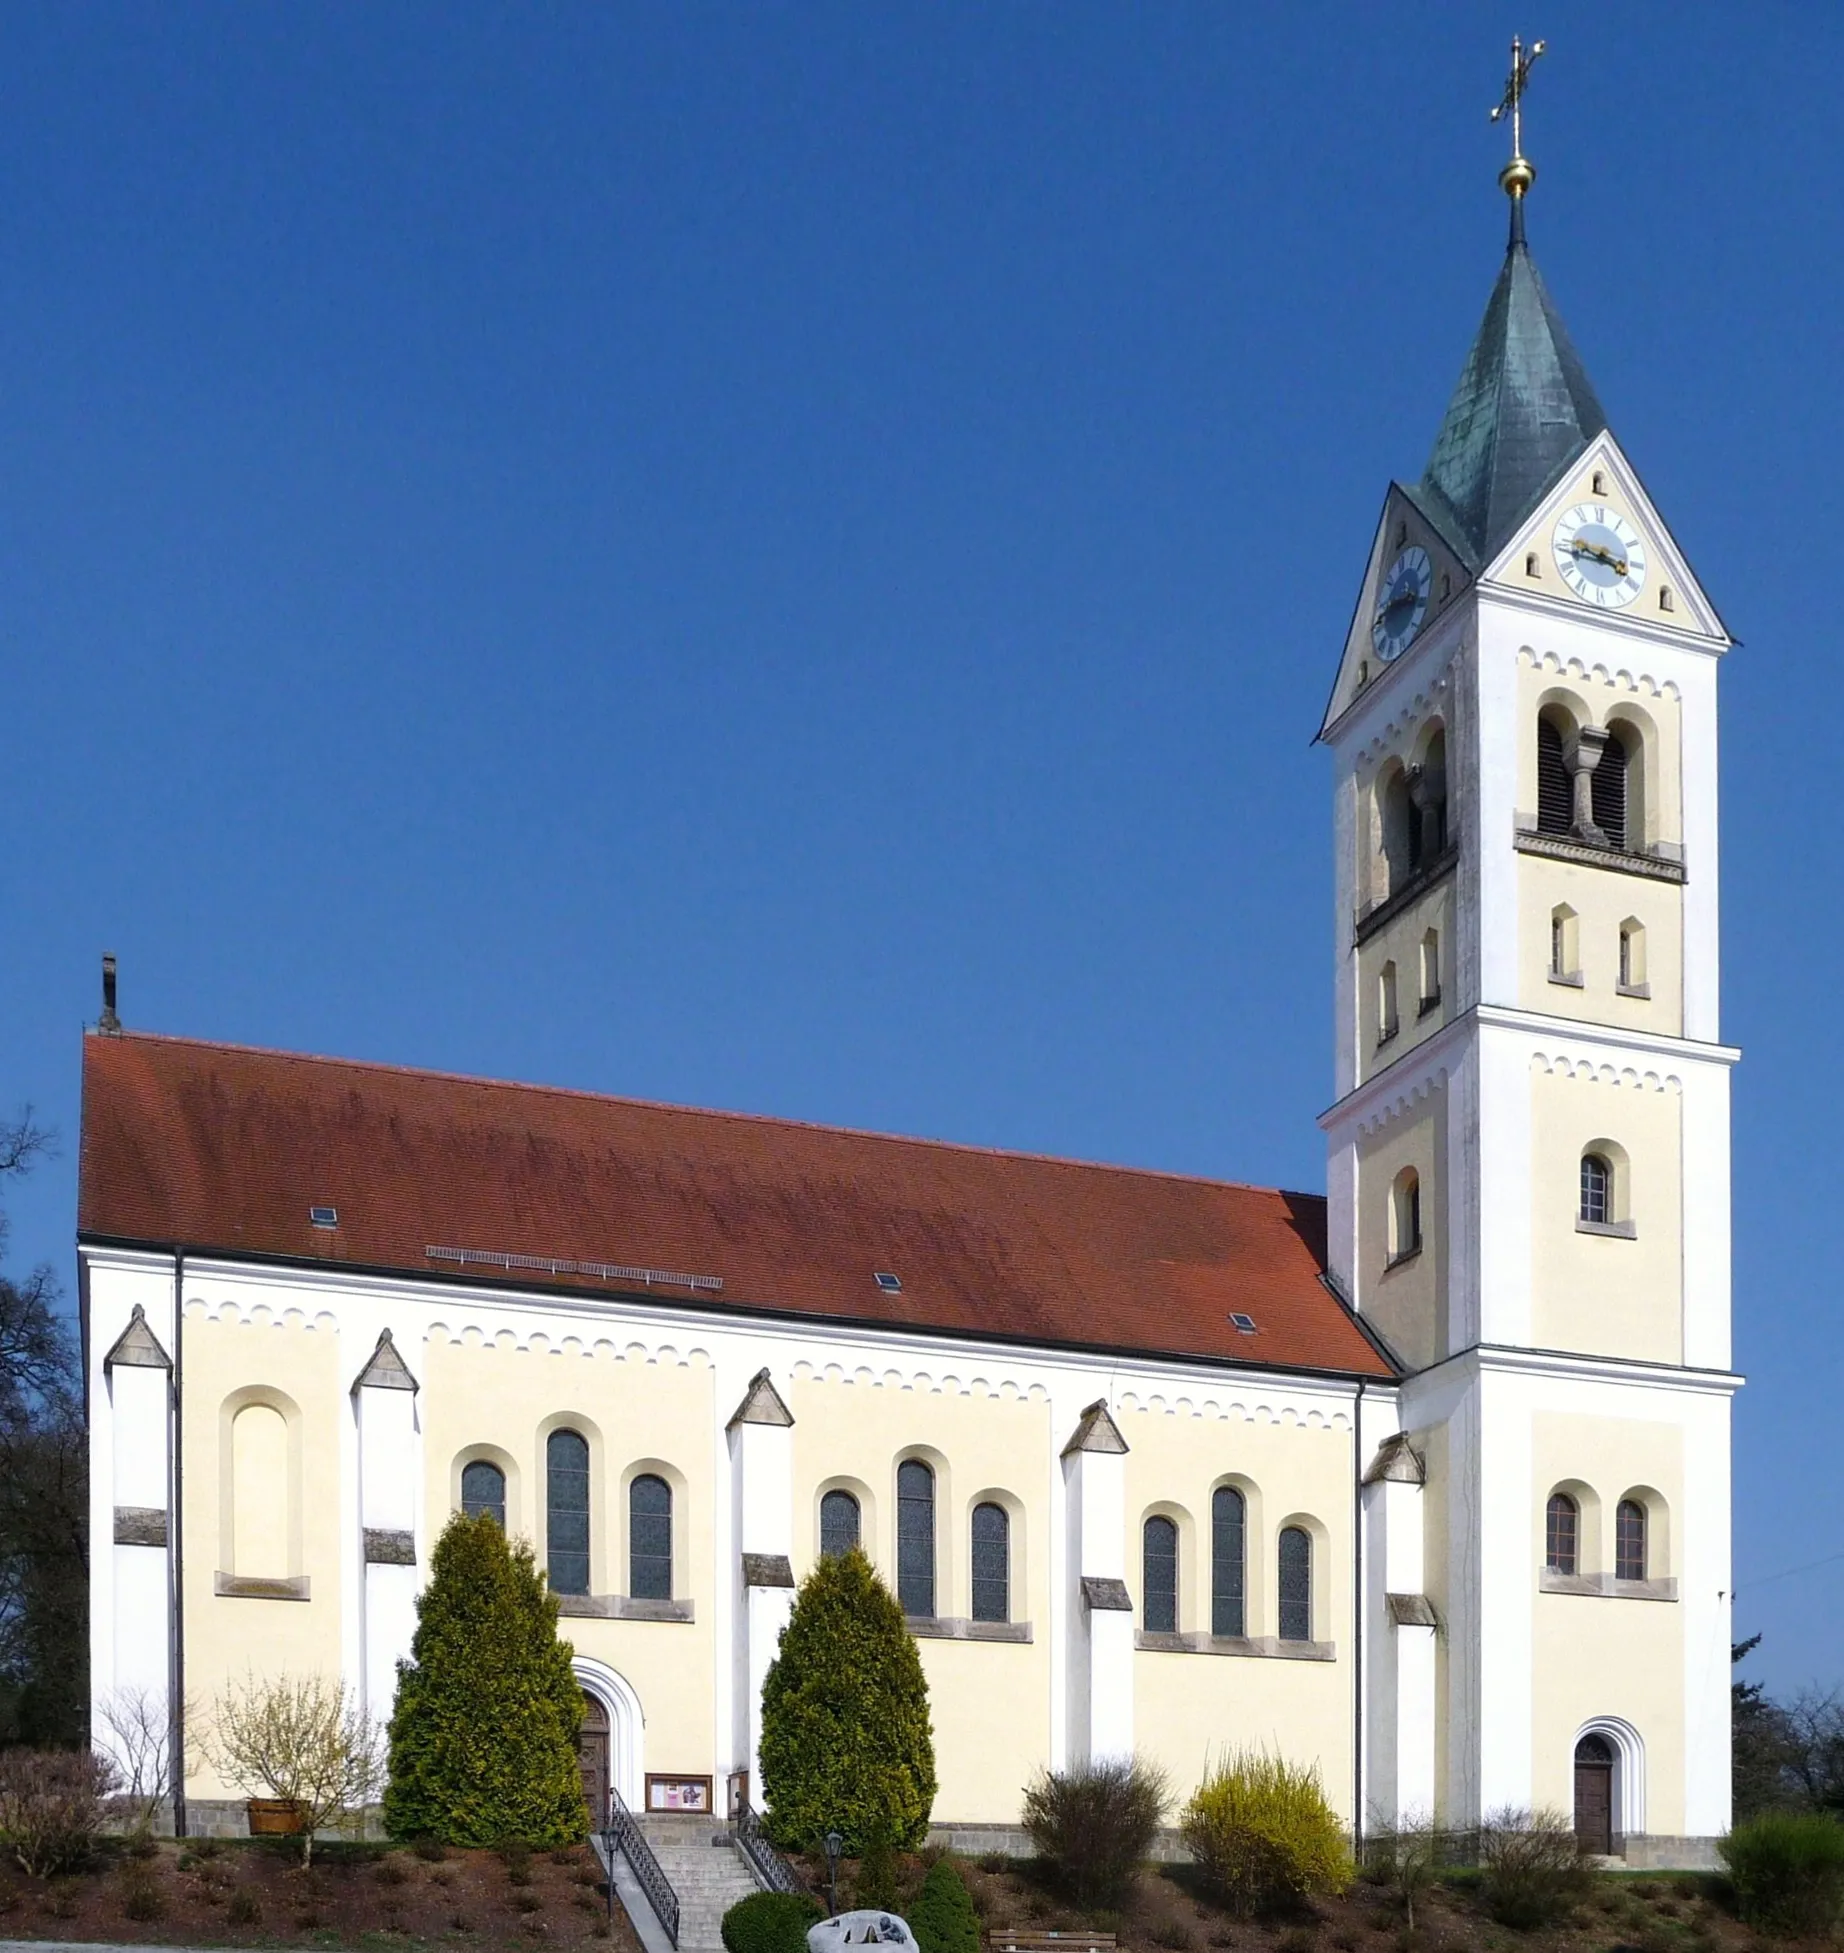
(1615, 563)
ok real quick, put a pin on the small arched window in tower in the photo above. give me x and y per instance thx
(1388, 1020)
(649, 1538)
(1629, 1540)
(1555, 790)
(1564, 945)
(1159, 1575)
(1533, 565)
(992, 1563)
(566, 1515)
(1597, 1190)
(1633, 957)
(1430, 969)
(1405, 1215)
(839, 1524)
(1609, 790)
(1228, 1562)
(1296, 1570)
(483, 1490)
(915, 1538)
(1562, 1534)
(1666, 602)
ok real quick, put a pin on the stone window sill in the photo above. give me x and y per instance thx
(949, 1627)
(1398, 1261)
(1603, 1586)
(1613, 1230)
(1643, 991)
(1431, 1002)
(1572, 978)
(244, 1586)
(1387, 1037)
(619, 1607)
(1262, 1647)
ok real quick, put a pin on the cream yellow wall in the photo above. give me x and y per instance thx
(1602, 900)
(1594, 1655)
(1591, 1293)
(1407, 1302)
(227, 1638)
(1189, 1706)
(483, 1400)
(990, 1701)
(1400, 941)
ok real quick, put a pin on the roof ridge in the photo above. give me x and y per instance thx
(703, 1112)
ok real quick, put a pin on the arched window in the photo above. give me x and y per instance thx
(649, 1538)
(1596, 1189)
(992, 1563)
(915, 1537)
(566, 1512)
(1387, 1018)
(1632, 954)
(1400, 828)
(1564, 944)
(1555, 790)
(1159, 1571)
(1609, 791)
(483, 1489)
(1296, 1584)
(1228, 1561)
(1431, 795)
(1562, 1534)
(1629, 1540)
(1430, 968)
(1405, 1214)
(840, 1524)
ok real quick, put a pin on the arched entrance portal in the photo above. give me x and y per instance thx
(611, 1742)
(592, 1758)
(1594, 1794)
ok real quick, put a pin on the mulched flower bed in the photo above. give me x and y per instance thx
(206, 1892)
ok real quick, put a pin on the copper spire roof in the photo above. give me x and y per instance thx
(226, 1149)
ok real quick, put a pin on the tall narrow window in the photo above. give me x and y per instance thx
(1387, 1019)
(1596, 1189)
(483, 1489)
(1609, 791)
(1430, 968)
(1562, 1534)
(840, 1524)
(649, 1538)
(1630, 1540)
(1632, 954)
(1159, 1572)
(566, 1530)
(915, 1537)
(1555, 790)
(1564, 945)
(1228, 1562)
(1405, 1214)
(1296, 1584)
(992, 1563)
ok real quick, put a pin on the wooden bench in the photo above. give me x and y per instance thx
(1003, 1939)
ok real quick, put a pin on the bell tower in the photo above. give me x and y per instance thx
(1528, 1167)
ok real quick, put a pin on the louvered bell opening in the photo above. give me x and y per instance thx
(1610, 792)
(1555, 800)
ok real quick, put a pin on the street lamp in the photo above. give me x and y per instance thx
(834, 1845)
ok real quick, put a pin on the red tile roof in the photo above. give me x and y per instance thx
(225, 1148)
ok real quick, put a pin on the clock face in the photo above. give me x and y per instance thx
(1402, 603)
(1600, 556)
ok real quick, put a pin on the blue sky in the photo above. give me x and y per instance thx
(789, 558)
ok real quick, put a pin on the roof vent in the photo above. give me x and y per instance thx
(889, 1283)
(324, 1216)
(1246, 1324)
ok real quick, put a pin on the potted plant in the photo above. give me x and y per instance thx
(273, 1817)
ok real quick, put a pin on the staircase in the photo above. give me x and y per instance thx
(707, 1872)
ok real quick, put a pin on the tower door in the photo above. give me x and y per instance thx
(592, 1756)
(1594, 1795)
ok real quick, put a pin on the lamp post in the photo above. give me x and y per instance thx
(834, 1845)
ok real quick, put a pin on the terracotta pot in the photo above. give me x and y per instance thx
(274, 1817)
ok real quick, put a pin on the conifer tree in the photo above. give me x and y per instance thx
(846, 1742)
(483, 1736)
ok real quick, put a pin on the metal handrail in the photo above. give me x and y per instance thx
(625, 1835)
(752, 1838)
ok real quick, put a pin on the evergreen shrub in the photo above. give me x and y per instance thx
(1531, 1869)
(943, 1918)
(1093, 1825)
(1263, 1836)
(846, 1742)
(1787, 1868)
(483, 1736)
(874, 1886)
(770, 1922)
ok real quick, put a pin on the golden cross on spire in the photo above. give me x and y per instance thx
(1517, 175)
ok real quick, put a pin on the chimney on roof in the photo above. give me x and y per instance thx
(108, 1021)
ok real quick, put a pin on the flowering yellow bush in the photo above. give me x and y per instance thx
(1263, 1835)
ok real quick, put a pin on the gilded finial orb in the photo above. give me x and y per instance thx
(1517, 176)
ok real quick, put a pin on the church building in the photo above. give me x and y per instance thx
(1154, 1464)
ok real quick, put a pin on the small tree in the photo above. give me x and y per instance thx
(298, 1738)
(943, 1919)
(483, 1736)
(136, 1734)
(846, 1742)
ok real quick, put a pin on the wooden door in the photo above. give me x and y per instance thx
(592, 1756)
(1594, 1795)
